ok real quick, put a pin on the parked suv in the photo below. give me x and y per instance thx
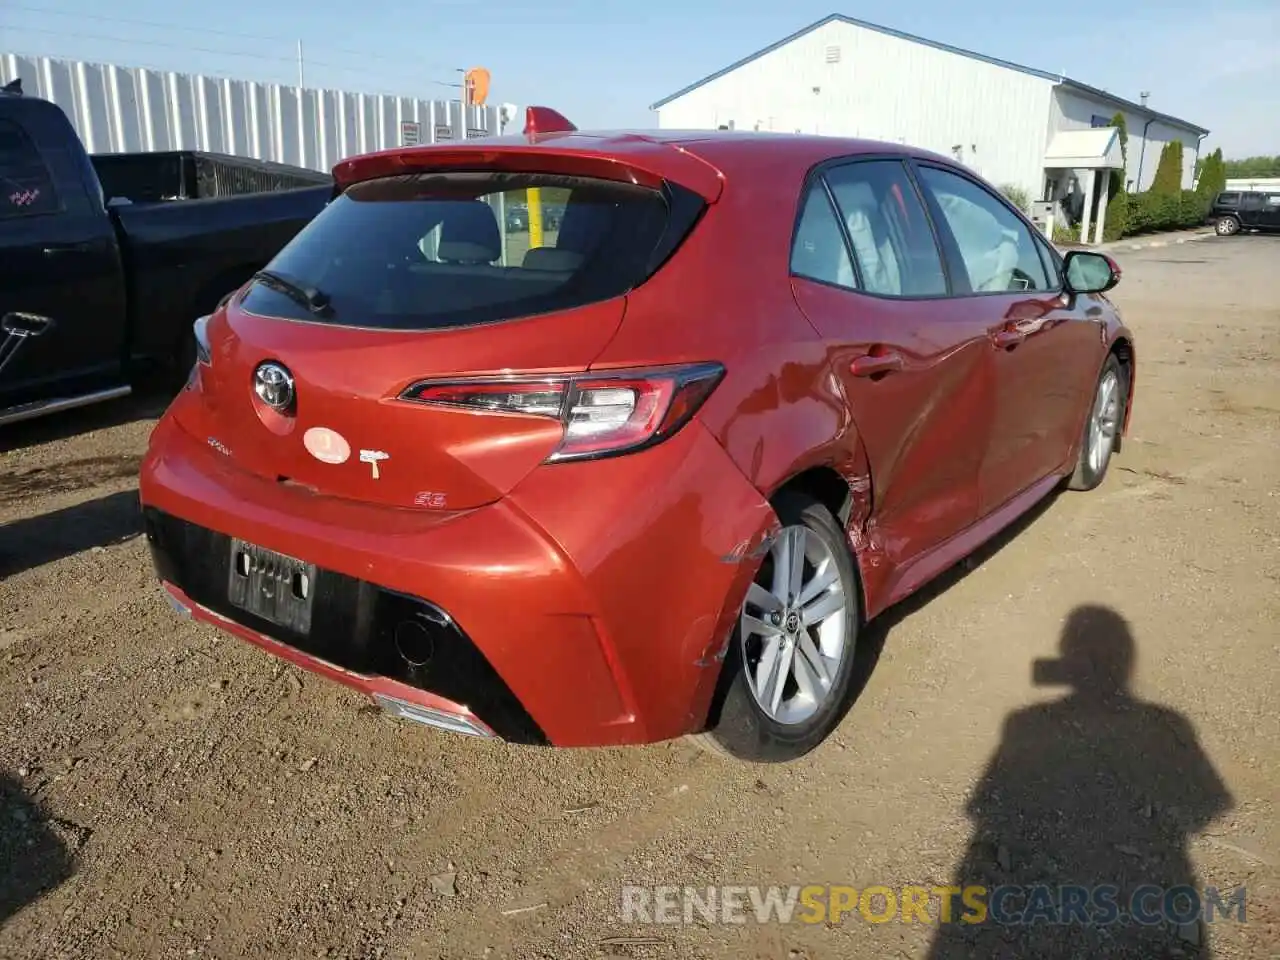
(650, 479)
(1236, 210)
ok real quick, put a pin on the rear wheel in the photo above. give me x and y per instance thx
(1101, 427)
(1226, 226)
(789, 665)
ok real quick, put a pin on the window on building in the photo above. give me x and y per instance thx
(26, 186)
(1097, 121)
(818, 250)
(997, 250)
(893, 244)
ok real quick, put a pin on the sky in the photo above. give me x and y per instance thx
(602, 63)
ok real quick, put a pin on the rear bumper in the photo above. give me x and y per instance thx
(393, 696)
(589, 607)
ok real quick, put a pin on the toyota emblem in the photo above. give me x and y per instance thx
(273, 384)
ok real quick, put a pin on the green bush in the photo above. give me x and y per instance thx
(1117, 224)
(1017, 196)
(1151, 211)
(1213, 177)
(1194, 207)
(1168, 178)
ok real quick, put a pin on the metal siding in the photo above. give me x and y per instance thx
(1075, 111)
(126, 109)
(883, 88)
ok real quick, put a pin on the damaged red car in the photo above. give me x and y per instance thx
(649, 473)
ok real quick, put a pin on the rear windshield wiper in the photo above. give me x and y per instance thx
(317, 301)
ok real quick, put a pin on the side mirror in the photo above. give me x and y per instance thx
(1087, 272)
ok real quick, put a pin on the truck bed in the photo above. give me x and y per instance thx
(194, 174)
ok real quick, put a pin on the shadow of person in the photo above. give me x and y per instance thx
(33, 857)
(1093, 797)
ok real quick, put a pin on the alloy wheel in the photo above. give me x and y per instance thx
(1104, 421)
(793, 627)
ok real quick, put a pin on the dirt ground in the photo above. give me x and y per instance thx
(166, 791)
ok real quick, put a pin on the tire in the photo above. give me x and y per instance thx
(1226, 226)
(1102, 424)
(813, 694)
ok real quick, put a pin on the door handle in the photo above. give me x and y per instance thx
(1008, 338)
(871, 364)
(59, 249)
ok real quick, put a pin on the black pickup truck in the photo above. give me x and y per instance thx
(96, 289)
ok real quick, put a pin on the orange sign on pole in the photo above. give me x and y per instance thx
(477, 84)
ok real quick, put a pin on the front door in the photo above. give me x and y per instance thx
(916, 373)
(59, 263)
(1045, 346)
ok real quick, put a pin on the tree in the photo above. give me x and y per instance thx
(1117, 200)
(1017, 196)
(1213, 177)
(1118, 176)
(1168, 178)
(1253, 167)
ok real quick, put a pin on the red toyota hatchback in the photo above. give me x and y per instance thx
(649, 474)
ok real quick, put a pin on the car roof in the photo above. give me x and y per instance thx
(719, 153)
(809, 148)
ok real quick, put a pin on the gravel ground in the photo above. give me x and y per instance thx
(167, 792)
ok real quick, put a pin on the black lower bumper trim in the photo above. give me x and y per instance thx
(355, 625)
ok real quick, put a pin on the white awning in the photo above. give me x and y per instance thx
(1095, 149)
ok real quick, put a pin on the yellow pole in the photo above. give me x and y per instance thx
(535, 217)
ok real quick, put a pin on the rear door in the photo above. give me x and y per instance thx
(1252, 209)
(1271, 211)
(1046, 348)
(916, 372)
(58, 260)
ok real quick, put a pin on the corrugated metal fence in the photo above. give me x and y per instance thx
(126, 109)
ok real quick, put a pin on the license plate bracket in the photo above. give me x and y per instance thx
(277, 588)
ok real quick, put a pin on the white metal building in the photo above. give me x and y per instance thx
(847, 77)
(124, 109)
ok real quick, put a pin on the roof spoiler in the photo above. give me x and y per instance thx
(545, 120)
(14, 87)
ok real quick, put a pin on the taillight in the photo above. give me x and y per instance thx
(603, 414)
(200, 330)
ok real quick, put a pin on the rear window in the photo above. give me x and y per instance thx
(430, 250)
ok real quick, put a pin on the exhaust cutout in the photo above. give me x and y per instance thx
(414, 643)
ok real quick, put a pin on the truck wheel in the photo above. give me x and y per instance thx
(1226, 226)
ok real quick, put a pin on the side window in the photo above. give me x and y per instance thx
(996, 247)
(1251, 201)
(1052, 262)
(818, 250)
(1228, 199)
(26, 187)
(893, 243)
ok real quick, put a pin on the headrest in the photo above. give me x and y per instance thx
(550, 258)
(469, 233)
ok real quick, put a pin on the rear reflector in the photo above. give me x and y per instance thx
(603, 414)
